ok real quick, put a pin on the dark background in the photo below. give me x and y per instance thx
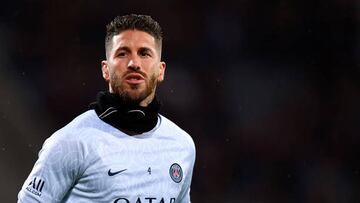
(269, 90)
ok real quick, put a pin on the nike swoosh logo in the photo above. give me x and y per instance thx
(116, 172)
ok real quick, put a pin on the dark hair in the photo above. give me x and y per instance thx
(133, 22)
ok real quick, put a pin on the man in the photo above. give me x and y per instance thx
(122, 150)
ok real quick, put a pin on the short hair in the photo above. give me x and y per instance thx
(133, 22)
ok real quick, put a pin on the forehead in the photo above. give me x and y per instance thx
(133, 39)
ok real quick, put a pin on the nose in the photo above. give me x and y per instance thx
(133, 64)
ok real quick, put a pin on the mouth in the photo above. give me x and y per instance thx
(134, 78)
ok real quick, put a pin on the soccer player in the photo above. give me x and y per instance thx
(122, 150)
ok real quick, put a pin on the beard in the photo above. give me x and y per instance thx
(132, 93)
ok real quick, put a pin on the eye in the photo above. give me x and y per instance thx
(145, 53)
(121, 54)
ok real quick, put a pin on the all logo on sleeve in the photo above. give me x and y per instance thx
(35, 186)
(176, 173)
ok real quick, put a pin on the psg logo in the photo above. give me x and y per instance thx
(176, 173)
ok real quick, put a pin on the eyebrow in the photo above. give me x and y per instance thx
(127, 49)
(145, 49)
(123, 48)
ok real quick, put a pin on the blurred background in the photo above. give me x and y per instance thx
(269, 90)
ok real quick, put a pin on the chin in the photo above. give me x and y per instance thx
(133, 96)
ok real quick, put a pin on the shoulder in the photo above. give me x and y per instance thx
(75, 132)
(170, 128)
(81, 124)
(84, 120)
(73, 143)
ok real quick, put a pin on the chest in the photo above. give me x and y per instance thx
(133, 168)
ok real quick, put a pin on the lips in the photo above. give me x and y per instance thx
(134, 78)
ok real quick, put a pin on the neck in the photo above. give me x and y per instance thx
(147, 100)
(130, 118)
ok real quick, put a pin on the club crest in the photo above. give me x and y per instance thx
(176, 173)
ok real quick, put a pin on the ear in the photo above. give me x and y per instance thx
(161, 71)
(105, 70)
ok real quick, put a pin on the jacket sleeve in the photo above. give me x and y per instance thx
(55, 171)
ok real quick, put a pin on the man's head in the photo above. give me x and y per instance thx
(133, 66)
(133, 22)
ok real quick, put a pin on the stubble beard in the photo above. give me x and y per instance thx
(130, 93)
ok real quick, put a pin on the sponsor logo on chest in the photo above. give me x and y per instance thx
(175, 173)
(145, 200)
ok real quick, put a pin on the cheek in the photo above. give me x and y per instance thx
(154, 68)
(155, 74)
(118, 73)
(114, 76)
(118, 65)
(116, 69)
